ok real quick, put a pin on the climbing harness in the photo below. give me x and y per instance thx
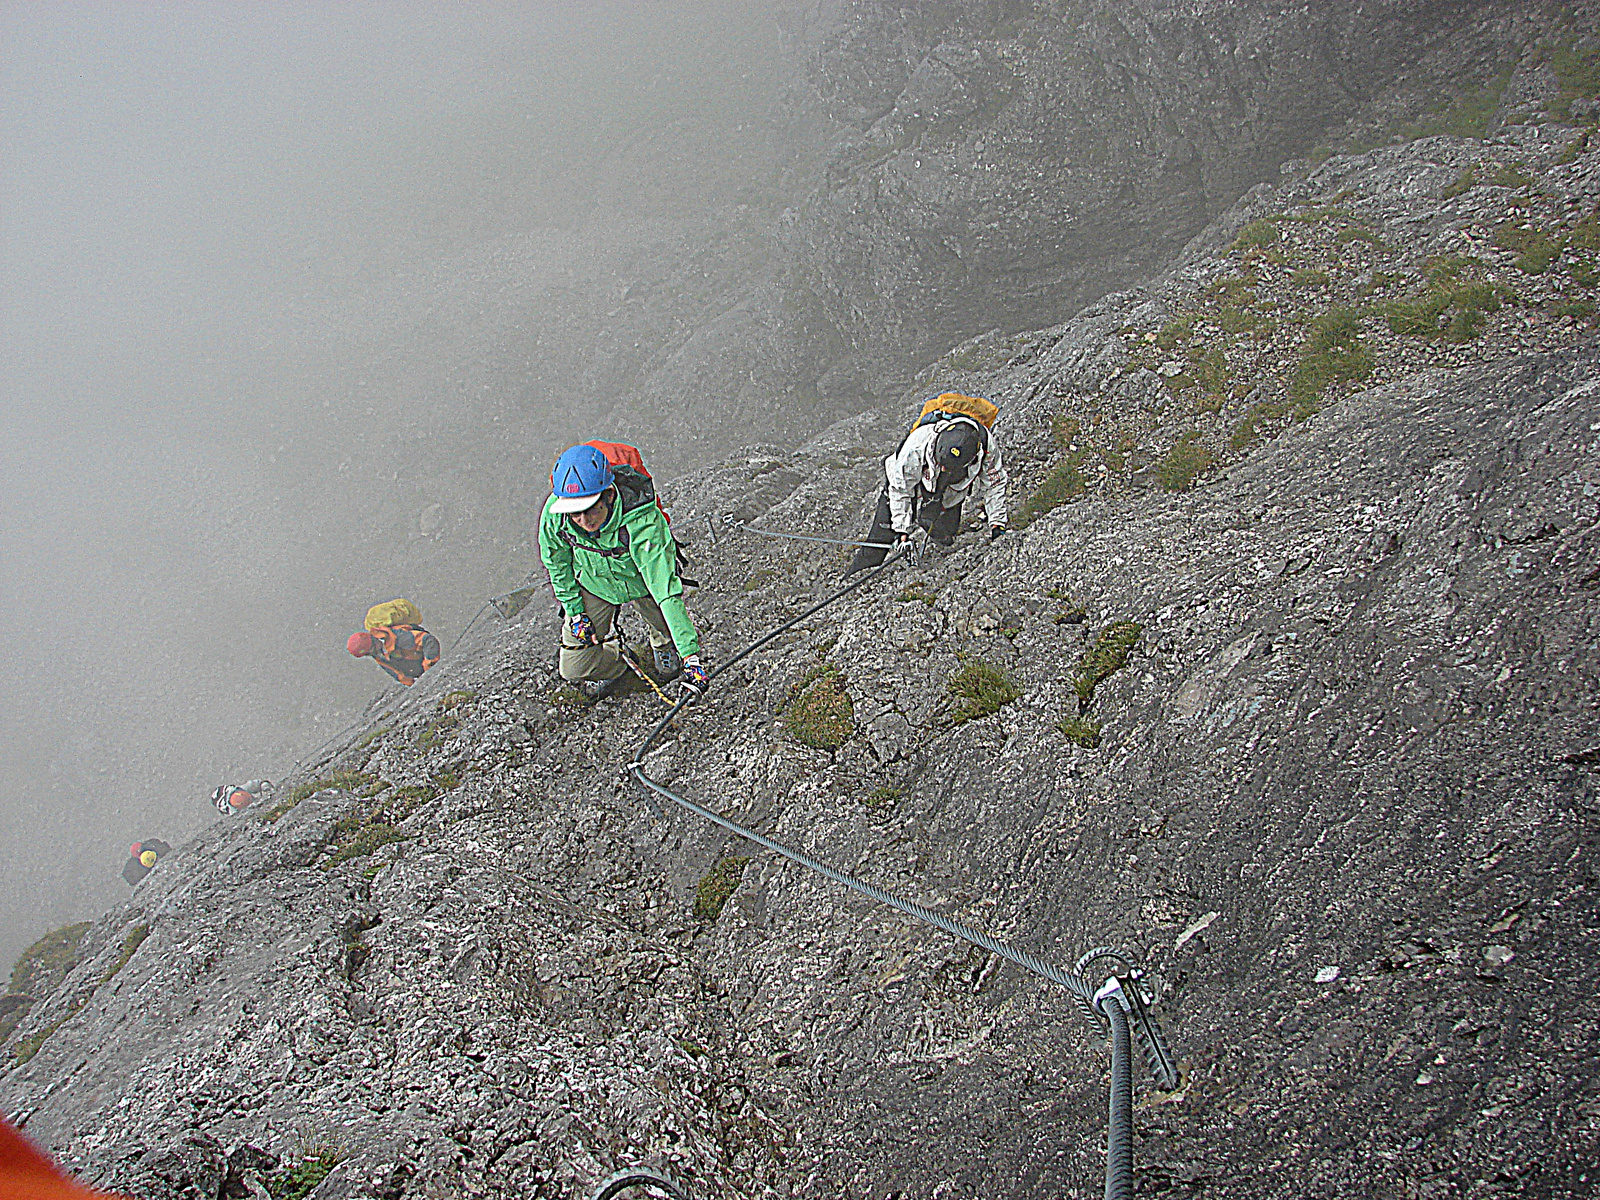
(638, 1177)
(1121, 1005)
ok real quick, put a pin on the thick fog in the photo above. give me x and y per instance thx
(298, 304)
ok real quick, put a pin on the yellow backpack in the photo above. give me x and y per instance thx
(955, 404)
(393, 612)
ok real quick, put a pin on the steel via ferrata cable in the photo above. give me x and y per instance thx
(1079, 990)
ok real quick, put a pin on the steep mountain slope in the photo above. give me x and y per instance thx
(1314, 733)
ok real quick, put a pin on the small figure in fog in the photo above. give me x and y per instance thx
(950, 454)
(395, 639)
(231, 798)
(606, 542)
(142, 857)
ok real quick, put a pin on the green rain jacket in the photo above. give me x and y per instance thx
(633, 556)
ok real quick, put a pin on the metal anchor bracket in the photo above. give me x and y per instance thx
(1134, 995)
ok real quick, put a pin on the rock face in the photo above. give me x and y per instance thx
(1287, 686)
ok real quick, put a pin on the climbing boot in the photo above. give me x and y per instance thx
(596, 690)
(668, 664)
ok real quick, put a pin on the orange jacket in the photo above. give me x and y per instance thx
(405, 651)
(25, 1174)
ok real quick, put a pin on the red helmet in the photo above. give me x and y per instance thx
(360, 644)
(135, 849)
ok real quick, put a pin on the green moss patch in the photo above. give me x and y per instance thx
(1535, 250)
(1108, 655)
(1331, 353)
(980, 689)
(1084, 732)
(348, 781)
(130, 944)
(299, 1180)
(882, 797)
(45, 964)
(819, 713)
(712, 892)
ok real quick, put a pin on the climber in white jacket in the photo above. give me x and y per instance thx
(928, 479)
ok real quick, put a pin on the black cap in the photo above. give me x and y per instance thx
(956, 448)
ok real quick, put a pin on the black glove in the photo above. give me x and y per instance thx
(995, 531)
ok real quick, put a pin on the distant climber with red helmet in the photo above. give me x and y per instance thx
(231, 798)
(142, 858)
(606, 543)
(395, 639)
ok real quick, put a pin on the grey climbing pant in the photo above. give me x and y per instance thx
(605, 661)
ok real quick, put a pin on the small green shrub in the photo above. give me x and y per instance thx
(130, 944)
(1308, 277)
(1070, 614)
(1108, 655)
(758, 578)
(1464, 183)
(1186, 459)
(1060, 486)
(454, 700)
(882, 797)
(1256, 234)
(982, 689)
(300, 1180)
(45, 963)
(1534, 249)
(367, 839)
(917, 590)
(820, 713)
(447, 781)
(712, 892)
(1577, 309)
(1331, 353)
(1084, 732)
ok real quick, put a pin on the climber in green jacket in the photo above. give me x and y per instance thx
(606, 543)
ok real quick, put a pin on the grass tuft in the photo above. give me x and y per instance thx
(130, 944)
(712, 892)
(1108, 655)
(882, 797)
(1331, 353)
(1186, 459)
(982, 689)
(300, 1180)
(1084, 732)
(1534, 249)
(1255, 235)
(819, 713)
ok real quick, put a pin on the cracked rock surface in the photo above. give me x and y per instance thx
(1340, 797)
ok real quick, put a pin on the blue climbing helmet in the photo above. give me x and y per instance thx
(580, 476)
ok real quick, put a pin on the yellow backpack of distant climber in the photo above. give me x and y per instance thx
(393, 612)
(955, 404)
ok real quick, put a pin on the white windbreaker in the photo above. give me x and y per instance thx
(912, 467)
